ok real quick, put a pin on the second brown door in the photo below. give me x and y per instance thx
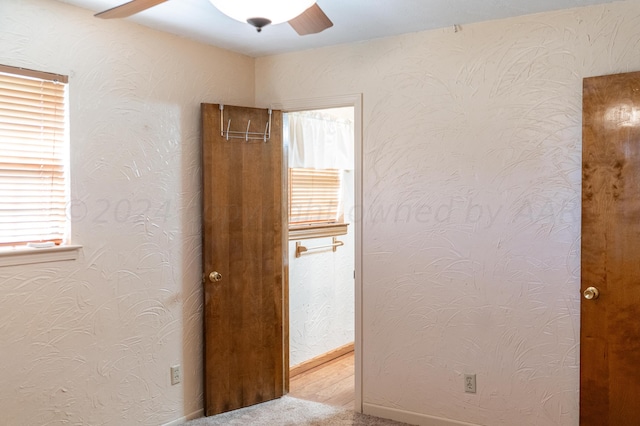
(610, 311)
(242, 259)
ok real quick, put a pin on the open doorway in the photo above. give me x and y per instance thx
(322, 264)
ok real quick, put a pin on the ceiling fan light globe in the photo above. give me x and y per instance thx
(276, 11)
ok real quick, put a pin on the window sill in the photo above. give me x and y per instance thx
(302, 232)
(13, 256)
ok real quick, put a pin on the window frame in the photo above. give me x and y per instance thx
(19, 252)
(315, 228)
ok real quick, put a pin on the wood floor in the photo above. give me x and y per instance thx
(330, 383)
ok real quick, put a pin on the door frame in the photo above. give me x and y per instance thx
(355, 101)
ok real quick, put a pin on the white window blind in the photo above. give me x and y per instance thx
(32, 167)
(314, 196)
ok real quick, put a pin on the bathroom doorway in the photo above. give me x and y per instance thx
(322, 247)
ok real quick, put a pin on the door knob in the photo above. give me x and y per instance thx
(591, 293)
(214, 277)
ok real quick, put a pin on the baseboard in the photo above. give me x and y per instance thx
(194, 415)
(320, 359)
(409, 417)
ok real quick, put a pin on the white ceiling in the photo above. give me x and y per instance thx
(354, 20)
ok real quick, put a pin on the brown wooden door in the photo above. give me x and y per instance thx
(610, 324)
(243, 242)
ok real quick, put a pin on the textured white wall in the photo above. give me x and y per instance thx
(321, 299)
(472, 149)
(91, 341)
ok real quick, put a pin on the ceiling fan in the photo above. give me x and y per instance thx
(305, 16)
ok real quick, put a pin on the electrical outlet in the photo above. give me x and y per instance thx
(176, 375)
(470, 383)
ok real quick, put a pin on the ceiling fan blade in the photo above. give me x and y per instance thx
(312, 21)
(128, 9)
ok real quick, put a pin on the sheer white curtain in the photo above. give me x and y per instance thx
(319, 141)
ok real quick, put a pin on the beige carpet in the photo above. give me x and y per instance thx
(288, 411)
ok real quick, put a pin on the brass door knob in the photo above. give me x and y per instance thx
(215, 277)
(591, 293)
